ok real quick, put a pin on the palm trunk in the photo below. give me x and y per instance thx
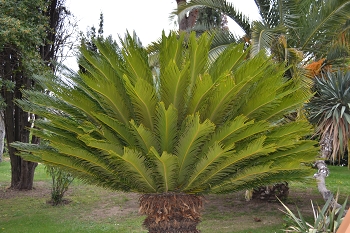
(171, 212)
(186, 22)
(323, 171)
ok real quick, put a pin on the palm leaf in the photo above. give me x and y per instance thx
(144, 100)
(223, 6)
(167, 167)
(190, 140)
(166, 127)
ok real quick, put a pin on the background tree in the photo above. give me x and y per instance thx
(29, 37)
(194, 129)
(294, 31)
(2, 135)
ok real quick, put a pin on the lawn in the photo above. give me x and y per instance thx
(94, 209)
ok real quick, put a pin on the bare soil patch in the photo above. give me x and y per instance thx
(117, 204)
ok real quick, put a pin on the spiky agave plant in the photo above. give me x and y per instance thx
(329, 110)
(196, 128)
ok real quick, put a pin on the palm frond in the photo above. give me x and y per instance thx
(223, 6)
(166, 127)
(143, 99)
(191, 139)
(167, 166)
(134, 53)
(323, 20)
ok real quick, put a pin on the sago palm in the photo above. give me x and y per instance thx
(191, 130)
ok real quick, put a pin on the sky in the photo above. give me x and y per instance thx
(146, 17)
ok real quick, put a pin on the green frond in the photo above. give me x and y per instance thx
(47, 100)
(144, 100)
(167, 167)
(262, 96)
(191, 139)
(237, 130)
(256, 176)
(289, 132)
(123, 132)
(322, 17)
(172, 49)
(136, 165)
(234, 163)
(201, 92)
(253, 176)
(247, 132)
(145, 138)
(227, 97)
(136, 61)
(263, 37)
(166, 127)
(213, 156)
(288, 104)
(221, 40)
(228, 61)
(198, 58)
(108, 94)
(174, 85)
(112, 53)
(301, 152)
(102, 145)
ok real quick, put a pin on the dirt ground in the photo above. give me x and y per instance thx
(218, 203)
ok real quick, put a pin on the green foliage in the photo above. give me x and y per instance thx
(195, 128)
(327, 219)
(60, 183)
(329, 110)
(22, 21)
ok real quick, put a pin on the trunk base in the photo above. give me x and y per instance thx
(269, 193)
(171, 212)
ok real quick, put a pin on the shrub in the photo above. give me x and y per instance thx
(327, 219)
(60, 183)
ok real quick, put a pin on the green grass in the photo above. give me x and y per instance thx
(93, 209)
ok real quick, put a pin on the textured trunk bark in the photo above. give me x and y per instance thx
(323, 171)
(320, 176)
(16, 121)
(186, 22)
(171, 212)
(2, 134)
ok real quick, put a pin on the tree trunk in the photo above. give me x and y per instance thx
(323, 171)
(320, 176)
(16, 121)
(171, 212)
(186, 22)
(269, 193)
(2, 134)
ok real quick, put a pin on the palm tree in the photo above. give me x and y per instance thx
(329, 111)
(292, 30)
(193, 129)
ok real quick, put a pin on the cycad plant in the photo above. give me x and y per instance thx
(329, 111)
(193, 129)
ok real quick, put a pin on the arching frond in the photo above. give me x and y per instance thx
(191, 139)
(193, 127)
(324, 21)
(166, 127)
(223, 6)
